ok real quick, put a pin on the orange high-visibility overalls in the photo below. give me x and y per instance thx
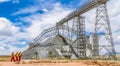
(17, 56)
(20, 55)
(12, 57)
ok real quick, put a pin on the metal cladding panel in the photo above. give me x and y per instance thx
(88, 5)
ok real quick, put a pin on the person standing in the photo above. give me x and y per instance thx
(20, 56)
(17, 56)
(12, 57)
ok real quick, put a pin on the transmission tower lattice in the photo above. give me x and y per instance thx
(103, 22)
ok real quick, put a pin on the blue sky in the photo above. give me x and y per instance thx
(17, 28)
(22, 20)
(15, 9)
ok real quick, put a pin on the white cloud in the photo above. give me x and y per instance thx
(45, 10)
(10, 44)
(7, 28)
(16, 1)
(9, 31)
(13, 1)
(47, 4)
(3, 1)
(31, 9)
(11, 49)
(10, 35)
(2, 48)
(39, 5)
(43, 21)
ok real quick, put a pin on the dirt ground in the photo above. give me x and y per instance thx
(42, 63)
(61, 63)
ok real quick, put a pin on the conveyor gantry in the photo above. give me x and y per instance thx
(88, 5)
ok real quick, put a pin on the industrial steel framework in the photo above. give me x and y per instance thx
(81, 41)
(102, 21)
(78, 27)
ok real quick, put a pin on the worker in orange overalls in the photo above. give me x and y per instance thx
(12, 57)
(17, 56)
(20, 56)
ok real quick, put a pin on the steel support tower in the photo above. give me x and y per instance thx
(103, 22)
(81, 42)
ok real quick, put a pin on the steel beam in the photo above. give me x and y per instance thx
(88, 5)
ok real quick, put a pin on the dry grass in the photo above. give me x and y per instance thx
(4, 58)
